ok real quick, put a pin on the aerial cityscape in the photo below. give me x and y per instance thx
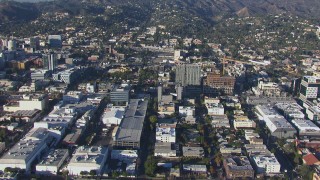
(172, 89)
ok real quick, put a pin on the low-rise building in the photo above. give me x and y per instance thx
(124, 155)
(195, 168)
(215, 109)
(26, 115)
(248, 134)
(88, 158)
(306, 127)
(313, 113)
(277, 124)
(72, 97)
(266, 164)
(58, 117)
(187, 111)
(166, 132)
(229, 150)
(218, 121)
(192, 151)
(267, 89)
(243, 122)
(165, 149)
(190, 120)
(238, 167)
(29, 149)
(166, 109)
(257, 149)
(129, 132)
(29, 102)
(113, 115)
(72, 138)
(52, 162)
(290, 110)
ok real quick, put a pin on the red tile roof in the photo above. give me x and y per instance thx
(310, 159)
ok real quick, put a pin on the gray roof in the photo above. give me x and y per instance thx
(131, 126)
(53, 158)
(27, 147)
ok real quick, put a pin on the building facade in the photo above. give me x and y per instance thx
(216, 84)
(188, 74)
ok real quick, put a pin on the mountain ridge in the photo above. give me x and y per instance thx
(206, 9)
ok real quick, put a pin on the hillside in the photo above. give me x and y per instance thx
(207, 9)
(14, 11)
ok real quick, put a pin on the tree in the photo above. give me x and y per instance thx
(218, 159)
(93, 172)
(65, 173)
(83, 173)
(150, 166)
(2, 134)
(115, 174)
(306, 172)
(153, 119)
(212, 170)
(281, 142)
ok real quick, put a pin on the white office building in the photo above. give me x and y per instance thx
(306, 127)
(68, 76)
(166, 133)
(187, 110)
(88, 158)
(266, 164)
(290, 110)
(58, 117)
(313, 113)
(215, 109)
(28, 150)
(113, 115)
(52, 162)
(29, 102)
(276, 123)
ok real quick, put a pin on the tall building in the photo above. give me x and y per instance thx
(188, 74)
(179, 91)
(12, 45)
(55, 41)
(2, 62)
(310, 88)
(35, 43)
(50, 61)
(177, 54)
(120, 94)
(67, 76)
(215, 83)
(295, 86)
(159, 93)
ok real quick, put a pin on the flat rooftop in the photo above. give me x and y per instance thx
(238, 163)
(131, 126)
(25, 113)
(53, 158)
(22, 151)
(305, 125)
